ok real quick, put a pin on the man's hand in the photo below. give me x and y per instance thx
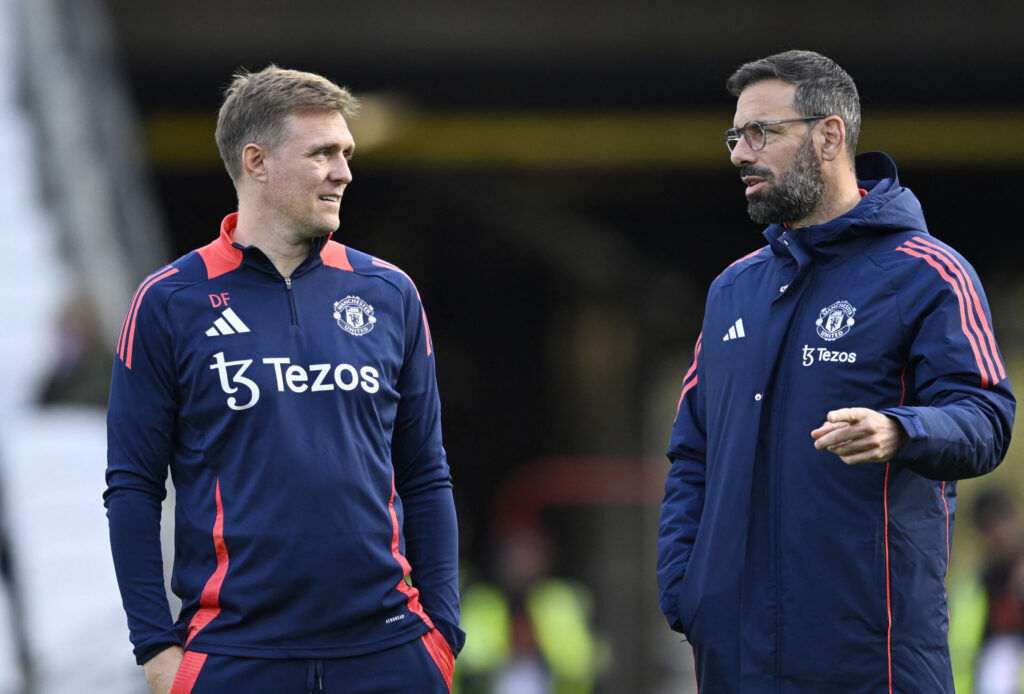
(859, 435)
(161, 669)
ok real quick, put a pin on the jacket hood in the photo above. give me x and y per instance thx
(887, 208)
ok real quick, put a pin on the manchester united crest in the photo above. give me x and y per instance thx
(354, 315)
(835, 321)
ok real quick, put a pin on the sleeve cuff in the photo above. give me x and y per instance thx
(669, 602)
(455, 636)
(909, 420)
(145, 651)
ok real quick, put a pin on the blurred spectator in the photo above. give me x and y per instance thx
(986, 637)
(530, 632)
(81, 372)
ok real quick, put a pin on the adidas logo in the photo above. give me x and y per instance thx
(228, 324)
(735, 332)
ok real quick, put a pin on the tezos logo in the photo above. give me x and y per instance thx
(835, 321)
(298, 379)
(354, 315)
(813, 354)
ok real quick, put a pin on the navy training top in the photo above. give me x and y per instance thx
(300, 422)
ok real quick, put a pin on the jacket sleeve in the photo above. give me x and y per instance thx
(683, 504)
(423, 480)
(140, 425)
(959, 415)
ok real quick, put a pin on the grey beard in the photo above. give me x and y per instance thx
(797, 193)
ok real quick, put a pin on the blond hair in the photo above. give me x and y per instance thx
(256, 105)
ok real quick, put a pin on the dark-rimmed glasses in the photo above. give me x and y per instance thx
(755, 132)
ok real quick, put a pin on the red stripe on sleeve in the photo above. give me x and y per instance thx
(127, 345)
(690, 379)
(209, 601)
(132, 307)
(124, 324)
(426, 326)
(988, 340)
(987, 377)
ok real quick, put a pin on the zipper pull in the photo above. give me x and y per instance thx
(288, 282)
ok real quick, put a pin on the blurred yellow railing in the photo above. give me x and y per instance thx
(395, 137)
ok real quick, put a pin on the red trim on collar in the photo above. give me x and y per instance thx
(335, 255)
(220, 256)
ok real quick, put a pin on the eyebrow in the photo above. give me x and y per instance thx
(334, 146)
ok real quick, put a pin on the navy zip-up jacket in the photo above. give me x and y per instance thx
(788, 570)
(300, 422)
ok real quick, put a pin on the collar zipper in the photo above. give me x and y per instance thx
(291, 300)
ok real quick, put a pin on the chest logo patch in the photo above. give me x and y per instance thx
(354, 315)
(835, 321)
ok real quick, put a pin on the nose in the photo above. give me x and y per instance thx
(341, 172)
(742, 154)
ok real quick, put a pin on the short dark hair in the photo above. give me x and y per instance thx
(256, 105)
(822, 87)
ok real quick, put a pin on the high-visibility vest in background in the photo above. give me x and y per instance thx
(557, 611)
(968, 617)
(968, 612)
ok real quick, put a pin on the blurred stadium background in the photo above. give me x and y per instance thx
(552, 175)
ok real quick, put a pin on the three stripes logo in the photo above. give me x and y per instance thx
(735, 331)
(973, 320)
(228, 324)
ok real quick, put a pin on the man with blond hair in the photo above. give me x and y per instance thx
(287, 383)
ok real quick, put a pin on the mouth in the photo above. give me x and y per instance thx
(333, 199)
(755, 178)
(754, 184)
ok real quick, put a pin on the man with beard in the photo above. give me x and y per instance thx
(846, 375)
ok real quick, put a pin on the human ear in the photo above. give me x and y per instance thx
(254, 162)
(834, 130)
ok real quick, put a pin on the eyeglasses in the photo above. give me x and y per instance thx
(755, 134)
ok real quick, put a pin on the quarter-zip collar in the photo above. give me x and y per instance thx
(227, 249)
